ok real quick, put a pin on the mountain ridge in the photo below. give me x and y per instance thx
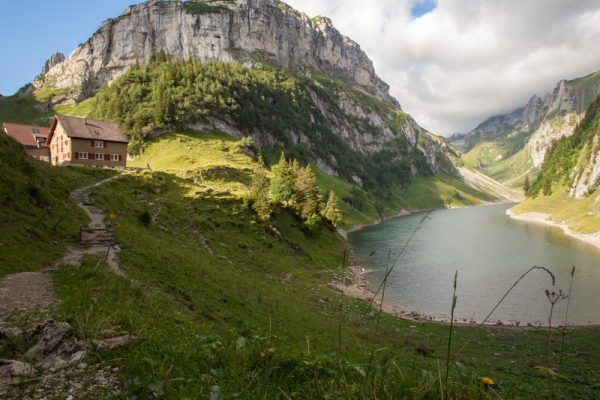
(230, 31)
(509, 146)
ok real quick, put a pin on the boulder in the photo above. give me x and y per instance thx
(53, 350)
(11, 371)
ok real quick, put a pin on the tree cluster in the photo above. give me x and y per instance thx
(293, 187)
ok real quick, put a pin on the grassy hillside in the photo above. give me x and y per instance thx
(588, 86)
(37, 218)
(505, 160)
(216, 160)
(254, 316)
(35, 108)
(580, 215)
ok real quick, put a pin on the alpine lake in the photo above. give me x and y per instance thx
(489, 252)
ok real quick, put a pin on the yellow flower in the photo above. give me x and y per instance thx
(113, 216)
(487, 381)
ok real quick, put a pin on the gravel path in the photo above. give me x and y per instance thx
(25, 291)
(34, 290)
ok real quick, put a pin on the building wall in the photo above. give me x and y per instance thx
(79, 146)
(42, 153)
(59, 147)
(69, 151)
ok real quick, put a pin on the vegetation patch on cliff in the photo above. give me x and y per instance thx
(199, 7)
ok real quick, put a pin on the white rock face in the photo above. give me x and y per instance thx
(265, 29)
(559, 120)
(248, 30)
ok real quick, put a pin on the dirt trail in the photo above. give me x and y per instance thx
(34, 290)
(81, 197)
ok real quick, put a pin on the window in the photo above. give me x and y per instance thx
(83, 155)
(114, 157)
(33, 130)
(98, 143)
(99, 156)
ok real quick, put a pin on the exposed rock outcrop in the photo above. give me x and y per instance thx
(54, 350)
(54, 60)
(542, 120)
(238, 30)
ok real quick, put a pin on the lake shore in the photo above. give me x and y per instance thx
(362, 289)
(402, 213)
(541, 218)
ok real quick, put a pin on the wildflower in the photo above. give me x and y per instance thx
(487, 381)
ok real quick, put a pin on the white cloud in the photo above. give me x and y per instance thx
(466, 60)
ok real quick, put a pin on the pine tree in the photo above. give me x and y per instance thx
(309, 199)
(259, 192)
(283, 183)
(332, 212)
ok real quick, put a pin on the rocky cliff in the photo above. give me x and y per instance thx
(256, 34)
(509, 146)
(239, 30)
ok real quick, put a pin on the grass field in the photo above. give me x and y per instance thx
(580, 215)
(227, 306)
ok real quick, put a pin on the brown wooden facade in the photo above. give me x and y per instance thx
(79, 141)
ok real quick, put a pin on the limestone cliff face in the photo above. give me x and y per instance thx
(238, 31)
(559, 120)
(249, 32)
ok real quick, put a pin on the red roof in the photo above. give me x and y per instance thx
(27, 134)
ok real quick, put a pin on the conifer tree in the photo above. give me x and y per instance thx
(283, 183)
(309, 199)
(259, 192)
(332, 212)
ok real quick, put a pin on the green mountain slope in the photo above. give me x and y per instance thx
(566, 187)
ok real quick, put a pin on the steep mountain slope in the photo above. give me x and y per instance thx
(565, 192)
(227, 31)
(508, 147)
(247, 68)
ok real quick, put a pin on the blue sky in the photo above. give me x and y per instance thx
(31, 31)
(450, 63)
(422, 7)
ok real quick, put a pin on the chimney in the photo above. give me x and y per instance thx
(85, 121)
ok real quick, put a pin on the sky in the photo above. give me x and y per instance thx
(450, 63)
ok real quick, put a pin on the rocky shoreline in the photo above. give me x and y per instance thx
(362, 289)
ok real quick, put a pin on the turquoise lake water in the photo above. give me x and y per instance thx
(490, 251)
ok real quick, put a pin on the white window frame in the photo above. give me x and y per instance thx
(100, 156)
(99, 144)
(114, 157)
(83, 155)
